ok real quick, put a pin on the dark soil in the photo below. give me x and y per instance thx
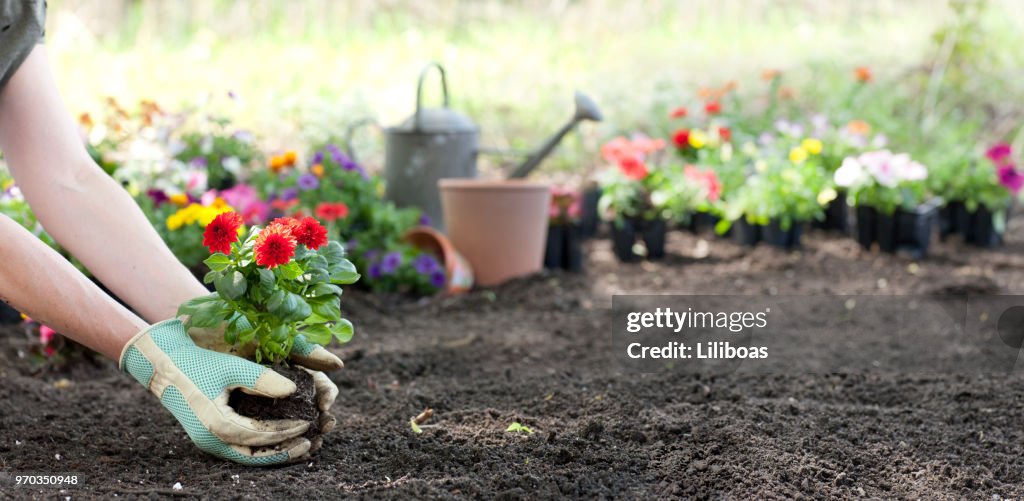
(299, 405)
(538, 351)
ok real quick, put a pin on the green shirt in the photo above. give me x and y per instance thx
(22, 24)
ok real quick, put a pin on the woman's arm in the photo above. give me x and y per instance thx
(85, 210)
(41, 283)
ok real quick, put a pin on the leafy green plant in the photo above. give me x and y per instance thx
(277, 283)
(517, 427)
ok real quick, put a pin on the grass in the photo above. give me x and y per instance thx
(307, 68)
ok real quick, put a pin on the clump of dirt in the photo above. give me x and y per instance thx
(300, 405)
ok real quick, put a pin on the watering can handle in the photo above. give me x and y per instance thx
(419, 90)
(351, 131)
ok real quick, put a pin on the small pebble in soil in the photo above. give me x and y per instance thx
(177, 486)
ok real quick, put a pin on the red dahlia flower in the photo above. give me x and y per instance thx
(288, 224)
(310, 232)
(274, 246)
(713, 107)
(724, 133)
(679, 112)
(222, 232)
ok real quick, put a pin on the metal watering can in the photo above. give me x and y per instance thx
(436, 143)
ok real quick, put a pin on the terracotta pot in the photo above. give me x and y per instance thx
(500, 226)
(427, 239)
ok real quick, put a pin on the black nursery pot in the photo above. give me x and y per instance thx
(8, 315)
(747, 234)
(952, 219)
(983, 231)
(867, 226)
(914, 228)
(623, 238)
(788, 238)
(701, 222)
(554, 250)
(564, 249)
(837, 215)
(589, 220)
(654, 233)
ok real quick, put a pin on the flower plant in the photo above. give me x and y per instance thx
(565, 208)
(634, 190)
(883, 180)
(278, 282)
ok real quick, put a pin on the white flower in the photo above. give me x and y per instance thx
(850, 173)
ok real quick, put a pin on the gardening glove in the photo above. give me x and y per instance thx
(311, 357)
(194, 384)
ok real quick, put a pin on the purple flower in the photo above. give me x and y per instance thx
(318, 157)
(438, 279)
(425, 264)
(351, 244)
(390, 263)
(289, 194)
(424, 220)
(243, 136)
(1010, 178)
(158, 196)
(308, 182)
(198, 162)
(374, 271)
(371, 254)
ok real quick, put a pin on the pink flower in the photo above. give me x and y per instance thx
(1010, 178)
(46, 334)
(247, 202)
(708, 178)
(197, 181)
(999, 153)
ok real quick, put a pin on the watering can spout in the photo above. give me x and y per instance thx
(586, 109)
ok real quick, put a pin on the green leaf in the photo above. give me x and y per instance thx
(290, 271)
(210, 277)
(344, 272)
(288, 306)
(279, 334)
(333, 252)
(325, 290)
(218, 262)
(331, 309)
(518, 427)
(318, 334)
(189, 307)
(317, 275)
(343, 330)
(318, 262)
(415, 427)
(233, 285)
(211, 314)
(267, 281)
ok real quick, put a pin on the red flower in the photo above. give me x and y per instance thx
(862, 74)
(724, 133)
(681, 138)
(310, 232)
(288, 224)
(633, 168)
(222, 232)
(332, 211)
(274, 246)
(679, 112)
(712, 107)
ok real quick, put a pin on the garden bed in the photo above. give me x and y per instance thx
(537, 351)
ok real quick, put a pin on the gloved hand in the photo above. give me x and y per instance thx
(312, 357)
(194, 384)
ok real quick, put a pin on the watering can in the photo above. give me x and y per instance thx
(436, 143)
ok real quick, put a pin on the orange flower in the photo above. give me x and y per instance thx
(858, 127)
(317, 170)
(704, 93)
(276, 163)
(290, 157)
(86, 120)
(862, 74)
(786, 93)
(729, 87)
(769, 75)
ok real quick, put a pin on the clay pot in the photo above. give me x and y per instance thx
(500, 226)
(460, 273)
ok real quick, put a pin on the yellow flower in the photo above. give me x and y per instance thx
(175, 221)
(827, 195)
(219, 203)
(318, 170)
(179, 199)
(798, 155)
(812, 145)
(206, 215)
(7, 184)
(698, 138)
